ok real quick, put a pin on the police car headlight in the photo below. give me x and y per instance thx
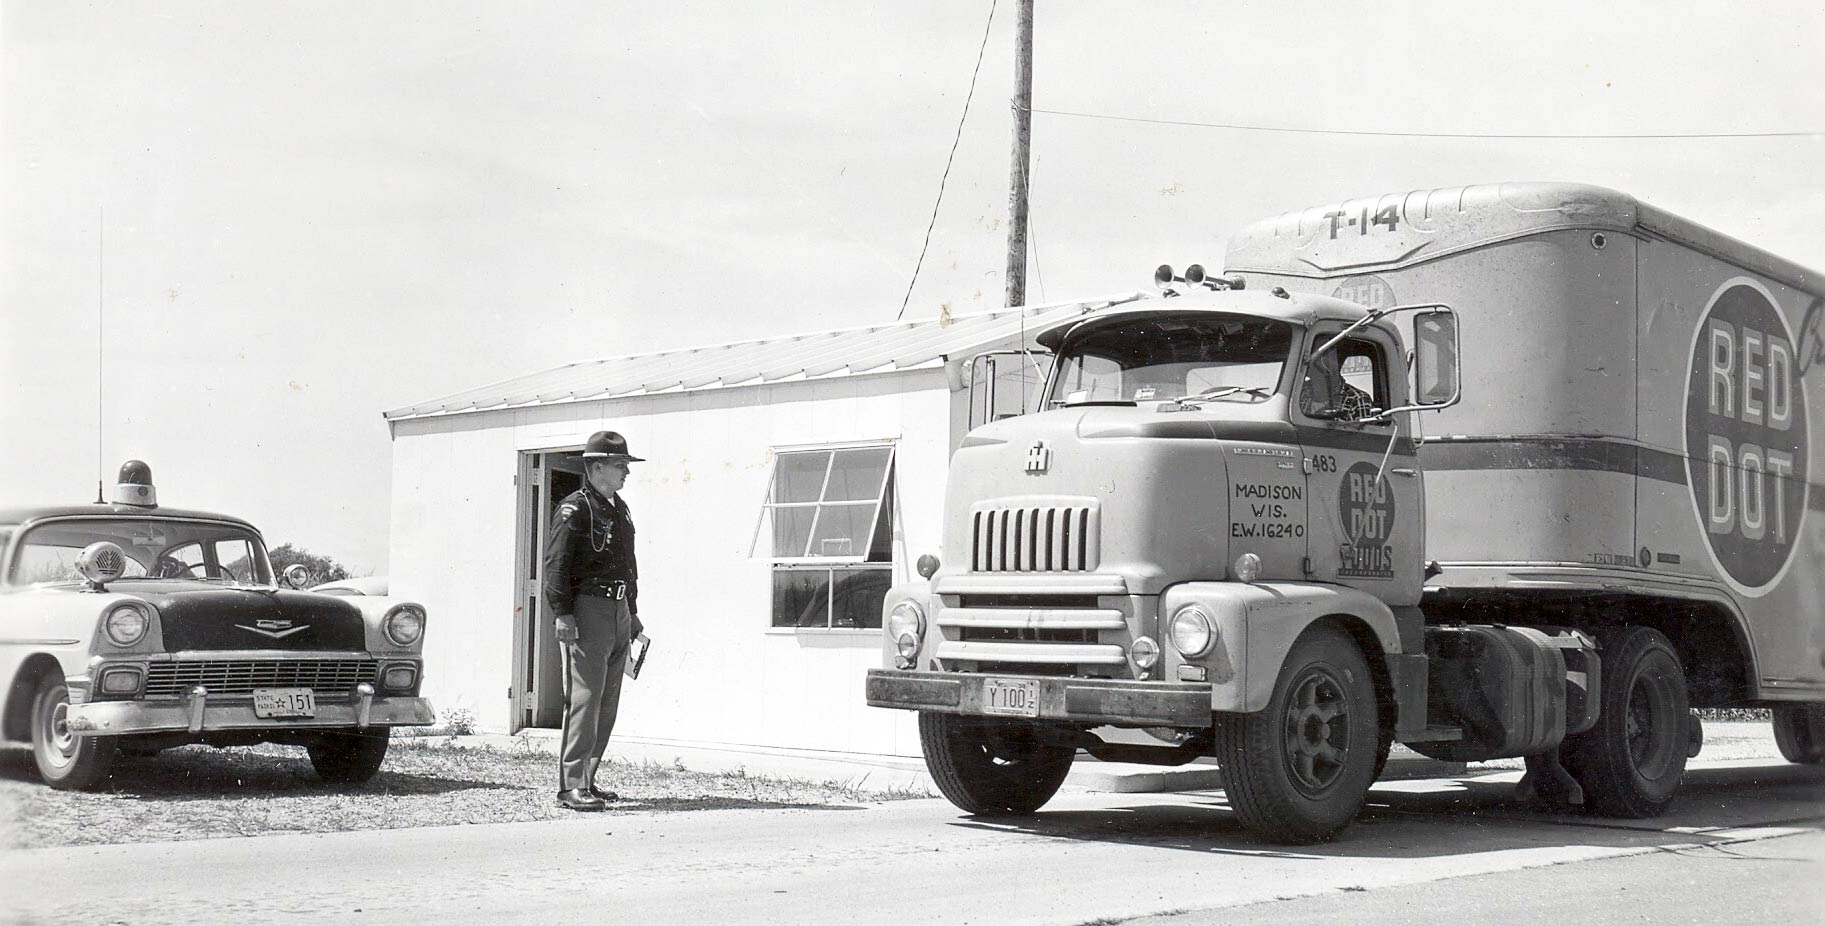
(404, 625)
(127, 622)
(1192, 631)
(906, 627)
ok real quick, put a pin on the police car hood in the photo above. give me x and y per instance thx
(198, 615)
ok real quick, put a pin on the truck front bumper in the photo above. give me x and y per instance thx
(1082, 700)
(198, 715)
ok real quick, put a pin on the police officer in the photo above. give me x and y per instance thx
(590, 577)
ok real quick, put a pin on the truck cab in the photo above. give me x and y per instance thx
(1212, 473)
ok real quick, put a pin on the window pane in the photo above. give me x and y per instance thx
(236, 557)
(856, 475)
(799, 477)
(857, 598)
(791, 528)
(843, 530)
(801, 597)
(880, 549)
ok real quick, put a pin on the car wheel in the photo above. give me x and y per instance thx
(349, 758)
(1298, 771)
(993, 767)
(1631, 762)
(66, 761)
(1799, 732)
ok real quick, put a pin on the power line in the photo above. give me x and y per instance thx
(948, 161)
(1295, 130)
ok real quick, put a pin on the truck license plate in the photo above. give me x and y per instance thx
(1014, 697)
(284, 702)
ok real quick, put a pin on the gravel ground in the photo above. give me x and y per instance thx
(200, 793)
(196, 792)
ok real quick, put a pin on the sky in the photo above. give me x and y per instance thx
(233, 234)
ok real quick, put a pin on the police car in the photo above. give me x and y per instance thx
(127, 627)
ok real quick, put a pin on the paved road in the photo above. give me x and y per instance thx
(1088, 857)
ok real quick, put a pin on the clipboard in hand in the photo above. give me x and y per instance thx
(636, 655)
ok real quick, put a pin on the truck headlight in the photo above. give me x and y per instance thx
(126, 623)
(404, 625)
(906, 627)
(1192, 631)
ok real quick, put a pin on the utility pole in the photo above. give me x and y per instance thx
(1023, 140)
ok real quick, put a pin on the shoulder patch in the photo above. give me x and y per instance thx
(567, 509)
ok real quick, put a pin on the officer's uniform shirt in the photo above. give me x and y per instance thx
(590, 551)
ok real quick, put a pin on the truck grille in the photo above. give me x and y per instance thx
(229, 677)
(1052, 538)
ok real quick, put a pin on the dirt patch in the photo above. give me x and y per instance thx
(195, 792)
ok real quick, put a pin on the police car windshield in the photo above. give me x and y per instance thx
(153, 548)
(1161, 358)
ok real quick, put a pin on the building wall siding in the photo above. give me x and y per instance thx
(717, 672)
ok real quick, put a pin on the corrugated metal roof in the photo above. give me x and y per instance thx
(821, 355)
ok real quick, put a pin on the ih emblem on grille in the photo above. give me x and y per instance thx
(1039, 457)
(278, 630)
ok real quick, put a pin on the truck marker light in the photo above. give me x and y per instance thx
(1247, 567)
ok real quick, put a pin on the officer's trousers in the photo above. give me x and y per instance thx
(592, 686)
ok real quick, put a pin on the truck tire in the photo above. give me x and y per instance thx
(66, 761)
(992, 767)
(349, 758)
(1630, 763)
(1298, 771)
(1799, 731)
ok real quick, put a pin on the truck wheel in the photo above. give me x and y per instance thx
(992, 767)
(1799, 731)
(349, 758)
(66, 761)
(1630, 762)
(1297, 772)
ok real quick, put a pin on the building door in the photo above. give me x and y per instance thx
(538, 664)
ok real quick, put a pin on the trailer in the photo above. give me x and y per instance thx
(1228, 528)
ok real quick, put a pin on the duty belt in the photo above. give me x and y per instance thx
(616, 590)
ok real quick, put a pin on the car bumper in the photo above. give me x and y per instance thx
(199, 715)
(1086, 700)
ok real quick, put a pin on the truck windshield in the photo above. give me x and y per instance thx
(154, 548)
(1168, 357)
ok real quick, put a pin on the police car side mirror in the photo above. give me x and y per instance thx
(295, 575)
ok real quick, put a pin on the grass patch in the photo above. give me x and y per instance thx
(195, 792)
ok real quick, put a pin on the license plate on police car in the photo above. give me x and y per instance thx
(284, 702)
(1014, 697)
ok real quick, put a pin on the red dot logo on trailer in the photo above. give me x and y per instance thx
(1746, 453)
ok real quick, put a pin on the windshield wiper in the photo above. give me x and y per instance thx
(1218, 392)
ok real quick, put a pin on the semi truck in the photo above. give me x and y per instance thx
(1507, 470)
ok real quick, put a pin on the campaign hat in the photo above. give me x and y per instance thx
(609, 445)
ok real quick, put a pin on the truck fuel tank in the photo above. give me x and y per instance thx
(1514, 691)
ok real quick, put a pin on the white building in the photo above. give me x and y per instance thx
(777, 470)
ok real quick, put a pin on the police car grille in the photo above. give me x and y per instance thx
(1052, 538)
(227, 677)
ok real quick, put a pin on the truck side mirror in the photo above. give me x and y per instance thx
(1005, 384)
(1436, 379)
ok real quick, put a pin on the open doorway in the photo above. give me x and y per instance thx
(538, 673)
